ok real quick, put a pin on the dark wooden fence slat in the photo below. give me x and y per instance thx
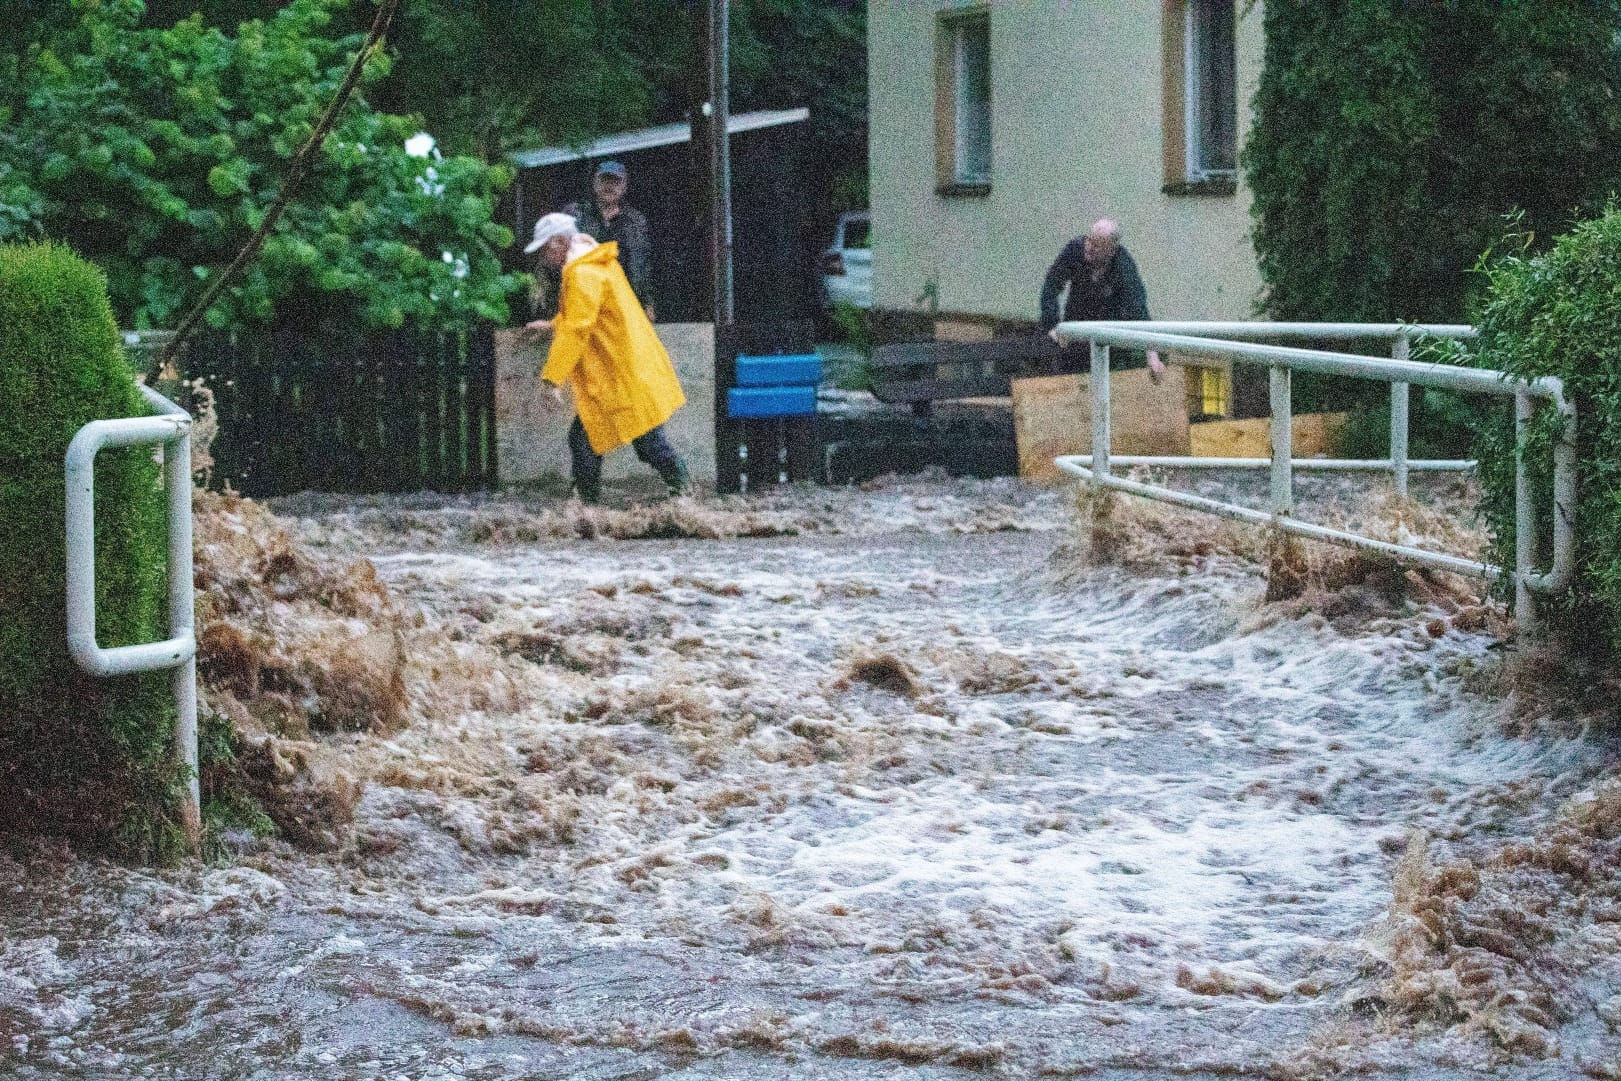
(438, 409)
(392, 446)
(362, 411)
(450, 361)
(489, 472)
(466, 447)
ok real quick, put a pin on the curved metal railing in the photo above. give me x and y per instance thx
(170, 427)
(1217, 340)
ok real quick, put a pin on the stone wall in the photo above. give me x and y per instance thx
(533, 443)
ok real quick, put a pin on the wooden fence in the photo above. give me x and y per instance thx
(302, 409)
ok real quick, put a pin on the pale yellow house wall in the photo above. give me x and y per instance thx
(1076, 123)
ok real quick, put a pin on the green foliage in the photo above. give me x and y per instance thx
(99, 746)
(490, 76)
(1389, 140)
(1559, 314)
(156, 151)
(853, 326)
(1440, 424)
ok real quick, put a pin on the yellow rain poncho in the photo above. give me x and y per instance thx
(603, 344)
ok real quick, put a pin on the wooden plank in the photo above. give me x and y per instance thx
(995, 351)
(393, 446)
(432, 404)
(455, 413)
(374, 349)
(481, 348)
(1052, 415)
(1315, 435)
(960, 330)
(928, 390)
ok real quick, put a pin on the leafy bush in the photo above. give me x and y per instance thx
(1559, 314)
(1440, 424)
(84, 754)
(1390, 138)
(155, 153)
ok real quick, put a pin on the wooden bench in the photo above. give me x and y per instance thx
(910, 373)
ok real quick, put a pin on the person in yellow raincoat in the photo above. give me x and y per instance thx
(604, 347)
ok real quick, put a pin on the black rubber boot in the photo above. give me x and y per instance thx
(678, 480)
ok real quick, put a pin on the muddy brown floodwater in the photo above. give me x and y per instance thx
(897, 787)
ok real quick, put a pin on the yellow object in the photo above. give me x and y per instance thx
(604, 345)
(1314, 436)
(1207, 391)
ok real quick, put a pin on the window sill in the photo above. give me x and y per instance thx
(962, 191)
(1217, 188)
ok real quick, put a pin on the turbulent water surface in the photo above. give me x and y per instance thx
(901, 791)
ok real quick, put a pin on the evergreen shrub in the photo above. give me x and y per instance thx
(1388, 142)
(1559, 313)
(78, 754)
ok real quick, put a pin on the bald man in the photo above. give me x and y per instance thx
(1103, 283)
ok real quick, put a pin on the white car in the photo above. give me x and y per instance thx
(847, 263)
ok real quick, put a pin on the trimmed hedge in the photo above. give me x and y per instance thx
(1559, 313)
(1389, 139)
(80, 755)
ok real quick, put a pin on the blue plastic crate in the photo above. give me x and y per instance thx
(770, 401)
(787, 370)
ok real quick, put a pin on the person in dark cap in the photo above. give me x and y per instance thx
(607, 217)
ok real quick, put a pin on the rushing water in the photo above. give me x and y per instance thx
(918, 797)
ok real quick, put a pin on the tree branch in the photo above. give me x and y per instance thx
(295, 175)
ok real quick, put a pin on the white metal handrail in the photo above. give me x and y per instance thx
(1214, 339)
(171, 427)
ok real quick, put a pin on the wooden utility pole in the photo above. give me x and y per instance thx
(712, 118)
(720, 158)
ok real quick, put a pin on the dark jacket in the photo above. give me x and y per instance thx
(1118, 294)
(629, 230)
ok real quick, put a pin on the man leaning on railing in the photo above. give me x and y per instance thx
(1103, 284)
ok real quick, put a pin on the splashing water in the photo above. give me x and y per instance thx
(832, 784)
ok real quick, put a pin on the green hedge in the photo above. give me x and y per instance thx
(80, 755)
(1559, 313)
(1389, 139)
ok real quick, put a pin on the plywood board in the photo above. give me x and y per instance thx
(533, 443)
(1314, 436)
(1052, 415)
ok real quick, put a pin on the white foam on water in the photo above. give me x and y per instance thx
(901, 789)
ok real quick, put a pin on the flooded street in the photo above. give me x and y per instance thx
(897, 787)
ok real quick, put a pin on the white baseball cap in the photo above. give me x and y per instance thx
(551, 225)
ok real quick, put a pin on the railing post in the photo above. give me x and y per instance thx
(183, 679)
(1282, 441)
(1525, 547)
(1401, 349)
(172, 429)
(1099, 386)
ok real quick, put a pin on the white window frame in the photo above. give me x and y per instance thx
(962, 121)
(1193, 96)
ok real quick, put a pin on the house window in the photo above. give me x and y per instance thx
(1201, 97)
(1210, 97)
(963, 106)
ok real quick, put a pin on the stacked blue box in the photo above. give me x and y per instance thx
(775, 386)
